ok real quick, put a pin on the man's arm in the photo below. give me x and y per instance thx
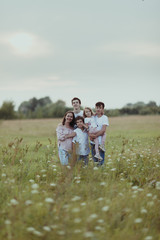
(99, 133)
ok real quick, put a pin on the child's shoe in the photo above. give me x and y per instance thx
(98, 156)
(102, 148)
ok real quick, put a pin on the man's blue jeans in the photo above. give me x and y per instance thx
(102, 154)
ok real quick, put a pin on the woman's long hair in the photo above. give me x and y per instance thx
(72, 123)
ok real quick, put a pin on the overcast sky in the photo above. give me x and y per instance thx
(106, 50)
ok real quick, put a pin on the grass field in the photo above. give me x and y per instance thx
(41, 200)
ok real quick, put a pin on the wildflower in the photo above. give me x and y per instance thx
(99, 228)
(14, 202)
(34, 191)
(76, 198)
(135, 187)
(37, 233)
(54, 166)
(113, 169)
(100, 199)
(30, 229)
(43, 170)
(158, 185)
(7, 222)
(122, 179)
(3, 175)
(151, 203)
(75, 210)
(154, 197)
(77, 220)
(38, 176)
(77, 178)
(138, 220)
(46, 228)
(44, 175)
(88, 234)
(95, 168)
(144, 230)
(66, 206)
(105, 208)
(69, 167)
(78, 181)
(28, 202)
(49, 200)
(54, 226)
(149, 195)
(100, 221)
(35, 186)
(83, 204)
(31, 181)
(148, 238)
(121, 194)
(61, 232)
(143, 210)
(102, 183)
(53, 184)
(92, 216)
(140, 189)
(77, 231)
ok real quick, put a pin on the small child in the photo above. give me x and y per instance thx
(80, 141)
(90, 124)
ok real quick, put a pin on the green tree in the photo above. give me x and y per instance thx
(7, 110)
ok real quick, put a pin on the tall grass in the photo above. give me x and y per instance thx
(41, 200)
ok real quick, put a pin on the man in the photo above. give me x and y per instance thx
(102, 123)
(76, 103)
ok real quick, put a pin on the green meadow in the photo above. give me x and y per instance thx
(41, 200)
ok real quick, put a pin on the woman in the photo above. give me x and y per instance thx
(65, 134)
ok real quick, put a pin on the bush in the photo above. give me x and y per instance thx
(7, 110)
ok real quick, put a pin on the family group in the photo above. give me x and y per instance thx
(81, 130)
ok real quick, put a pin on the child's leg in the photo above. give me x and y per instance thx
(103, 139)
(94, 130)
(96, 145)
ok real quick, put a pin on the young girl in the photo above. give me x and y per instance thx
(65, 134)
(90, 124)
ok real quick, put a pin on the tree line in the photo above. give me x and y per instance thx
(45, 108)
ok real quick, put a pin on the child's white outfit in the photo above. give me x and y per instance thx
(82, 144)
(93, 128)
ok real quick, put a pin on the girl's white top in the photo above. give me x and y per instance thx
(62, 130)
(81, 141)
(91, 122)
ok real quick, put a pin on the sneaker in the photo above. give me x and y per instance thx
(98, 156)
(102, 148)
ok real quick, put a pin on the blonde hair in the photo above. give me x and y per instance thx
(84, 115)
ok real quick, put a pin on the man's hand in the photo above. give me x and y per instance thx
(92, 136)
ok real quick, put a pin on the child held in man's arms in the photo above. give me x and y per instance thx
(90, 124)
(80, 141)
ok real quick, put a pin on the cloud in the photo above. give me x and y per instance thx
(24, 44)
(133, 49)
(37, 84)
